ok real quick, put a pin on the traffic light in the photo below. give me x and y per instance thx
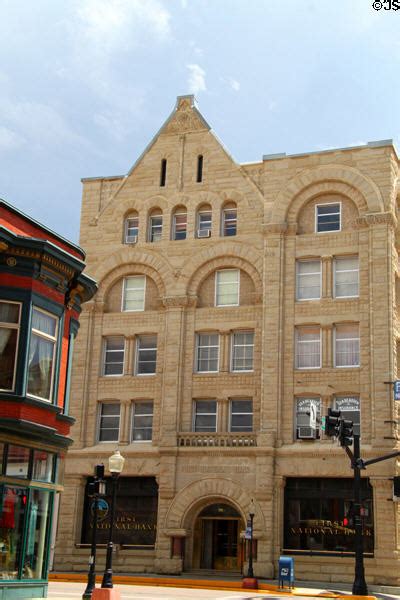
(331, 423)
(345, 432)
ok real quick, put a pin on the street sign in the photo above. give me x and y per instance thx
(396, 389)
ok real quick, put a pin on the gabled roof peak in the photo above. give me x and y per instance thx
(185, 117)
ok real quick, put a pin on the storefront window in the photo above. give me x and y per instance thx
(135, 513)
(43, 466)
(38, 524)
(13, 505)
(314, 513)
(17, 461)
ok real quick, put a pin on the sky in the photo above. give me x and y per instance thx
(86, 84)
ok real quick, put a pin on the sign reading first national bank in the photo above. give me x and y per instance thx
(135, 521)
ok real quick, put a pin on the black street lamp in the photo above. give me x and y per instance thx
(250, 573)
(115, 466)
(96, 489)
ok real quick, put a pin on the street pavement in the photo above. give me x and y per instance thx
(74, 591)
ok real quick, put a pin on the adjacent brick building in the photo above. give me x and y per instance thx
(42, 287)
(236, 303)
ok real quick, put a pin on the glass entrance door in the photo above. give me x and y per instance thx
(220, 544)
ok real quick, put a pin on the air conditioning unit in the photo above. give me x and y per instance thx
(306, 433)
(131, 239)
(203, 233)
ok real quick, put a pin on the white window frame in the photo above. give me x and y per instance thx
(123, 309)
(337, 260)
(298, 275)
(225, 221)
(138, 350)
(216, 288)
(198, 221)
(179, 214)
(296, 354)
(340, 216)
(152, 230)
(241, 399)
(337, 325)
(233, 346)
(317, 401)
(195, 402)
(99, 419)
(133, 415)
(127, 228)
(17, 326)
(198, 334)
(105, 351)
(48, 338)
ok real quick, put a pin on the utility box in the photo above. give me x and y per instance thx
(286, 571)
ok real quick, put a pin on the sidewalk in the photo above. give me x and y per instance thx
(232, 583)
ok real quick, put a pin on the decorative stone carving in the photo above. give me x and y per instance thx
(184, 119)
(175, 301)
(386, 218)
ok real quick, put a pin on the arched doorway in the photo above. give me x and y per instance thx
(216, 538)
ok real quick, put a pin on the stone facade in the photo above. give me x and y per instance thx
(276, 202)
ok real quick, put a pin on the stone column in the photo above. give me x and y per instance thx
(326, 291)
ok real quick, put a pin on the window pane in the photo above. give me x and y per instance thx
(9, 312)
(308, 414)
(142, 425)
(12, 512)
(17, 461)
(134, 292)
(40, 370)
(114, 356)
(241, 415)
(44, 323)
(207, 352)
(8, 347)
(109, 422)
(346, 277)
(38, 523)
(227, 287)
(204, 220)
(230, 222)
(328, 217)
(146, 354)
(242, 351)
(42, 466)
(308, 280)
(180, 226)
(308, 348)
(205, 416)
(156, 228)
(347, 346)
(131, 229)
(349, 406)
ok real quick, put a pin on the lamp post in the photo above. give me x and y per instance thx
(250, 581)
(115, 466)
(95, 490)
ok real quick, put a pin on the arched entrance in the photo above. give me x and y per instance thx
(216, 538)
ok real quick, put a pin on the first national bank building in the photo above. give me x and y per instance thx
(236, 301)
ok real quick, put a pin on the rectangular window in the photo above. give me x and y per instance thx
(134, 293)
(146, 355)
(229, 220)
(205, 416)
(327, 217)
(109, 418)
(308, 280)
(41, 354)
(241, 417)
(346, 277)
(227, 287)
(308, 347)
(155, 228)
(18, 459)
(43, 465)
(131, 230)
(163, 172)
(349, 406)
(204, 220)
(142, 421)
(308, 415)
(180, 226)
(242, 351)
(207, 352)
(347, 345)
(9, 332)
(114, 350)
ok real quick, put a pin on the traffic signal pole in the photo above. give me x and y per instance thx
(359, 585)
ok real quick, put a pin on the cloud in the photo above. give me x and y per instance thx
(233, 83)
(197, 79)
(9, 139)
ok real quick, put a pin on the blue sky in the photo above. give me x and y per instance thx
(85, 84)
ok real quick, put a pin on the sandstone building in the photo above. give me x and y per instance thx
(236, 304)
